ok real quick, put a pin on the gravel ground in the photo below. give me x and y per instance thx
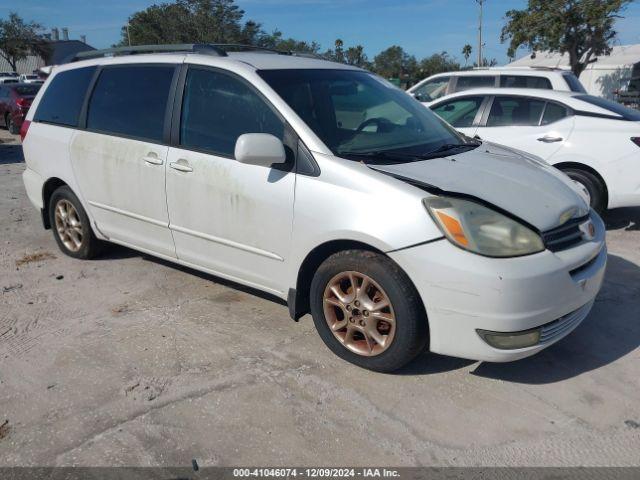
(128, 360)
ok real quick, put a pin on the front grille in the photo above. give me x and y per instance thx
(563, 325)
(565, 236)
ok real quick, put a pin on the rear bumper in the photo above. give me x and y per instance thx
(464, 292)
(33, 184)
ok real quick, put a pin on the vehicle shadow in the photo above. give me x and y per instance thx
(11, 154)
(611, 331)
(623, 218)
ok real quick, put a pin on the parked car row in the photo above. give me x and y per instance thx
(326, 186)
(15, 100)
(437, 86)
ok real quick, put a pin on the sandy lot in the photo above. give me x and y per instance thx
(128, 360)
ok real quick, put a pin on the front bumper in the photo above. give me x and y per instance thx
(464, 292)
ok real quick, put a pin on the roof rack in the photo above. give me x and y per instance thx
(202, 48)
(214, 49)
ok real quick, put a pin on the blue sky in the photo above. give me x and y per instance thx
(422, 27)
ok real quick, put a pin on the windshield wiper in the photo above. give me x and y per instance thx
(447, 148)
(378, 157)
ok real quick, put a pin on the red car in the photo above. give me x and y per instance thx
(15, 100)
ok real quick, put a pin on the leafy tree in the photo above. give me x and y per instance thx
(18, 39)
(466, 52)
(486, 63)
(437, 63)
(190, 21)
(583, 29)
(394, 62)
(356, 56)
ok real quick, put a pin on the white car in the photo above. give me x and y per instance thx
(24, 78)
(437, 86)
(594, 141)
(322, 184)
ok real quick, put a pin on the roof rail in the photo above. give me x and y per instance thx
(202, 48)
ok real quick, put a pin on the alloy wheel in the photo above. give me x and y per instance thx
(68, 225)
(359, 313)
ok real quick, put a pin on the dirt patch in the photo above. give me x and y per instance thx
(4, 429)
(34, 257)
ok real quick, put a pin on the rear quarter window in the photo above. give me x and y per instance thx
(63, 98)
(525, 81)
(475, 81)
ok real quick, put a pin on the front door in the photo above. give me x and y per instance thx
(229, 218)
(120, 159)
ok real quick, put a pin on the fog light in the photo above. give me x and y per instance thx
(511, 340)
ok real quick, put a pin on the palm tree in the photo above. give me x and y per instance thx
(466, 51)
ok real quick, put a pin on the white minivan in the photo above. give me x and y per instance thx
(321, 184)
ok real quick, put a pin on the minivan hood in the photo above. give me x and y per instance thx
(521, 184)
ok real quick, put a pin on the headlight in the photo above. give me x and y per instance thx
(479, 229)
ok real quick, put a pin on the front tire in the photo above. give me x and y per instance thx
(367, 311)
(71, 226)
(592, 185)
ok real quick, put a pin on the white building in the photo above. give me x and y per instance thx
(604, 77)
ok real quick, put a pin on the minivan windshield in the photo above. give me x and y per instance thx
(361, 116)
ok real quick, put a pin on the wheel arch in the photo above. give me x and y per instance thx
(50, 186)
(586, 168)
(298, 298)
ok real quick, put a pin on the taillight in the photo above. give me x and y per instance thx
(24, 129)
(636, 140)
(23, 102)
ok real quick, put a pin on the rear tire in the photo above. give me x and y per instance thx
(71, 226)
(11, 125)
(355, 326)
(593, 185)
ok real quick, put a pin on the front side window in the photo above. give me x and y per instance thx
(131, 101)
(475, 81)
(358, 113)
(432, 89)
(515, 111)
(461, 112)
(525, 81)
(63, 98)
(217, 108)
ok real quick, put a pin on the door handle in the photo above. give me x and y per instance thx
(181, 165)
(548, 139)
(152, 159)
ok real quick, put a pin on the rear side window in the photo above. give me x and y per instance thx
(63, 98)
(553, 112)
(131, 101)
(512, 111)
(217, 108)
(574, 83)
(466, 83)
(524, 81)
(460, 112)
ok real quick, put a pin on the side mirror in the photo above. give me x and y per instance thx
(260, 149)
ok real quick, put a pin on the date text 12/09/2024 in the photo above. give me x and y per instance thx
(315, 472)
